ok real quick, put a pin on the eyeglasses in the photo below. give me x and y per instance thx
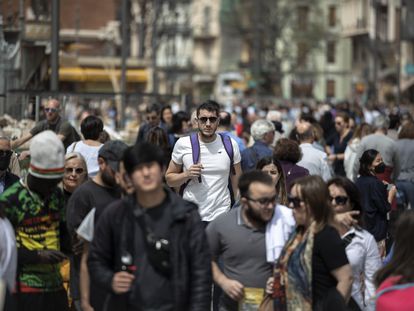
(339, 200)
(295, 201)
(211, 119)
(5, 153)
(71, 170)
(51, 110)
(264, 201)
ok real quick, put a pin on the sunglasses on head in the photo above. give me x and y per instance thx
(5, 153)
(71, 170)
(339, 200)
(264, 201)
(51, 110)
(295, 201)
(211, 119)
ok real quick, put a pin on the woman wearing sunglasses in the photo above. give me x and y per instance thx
(361, 248)
(75, 174)
(313, 272)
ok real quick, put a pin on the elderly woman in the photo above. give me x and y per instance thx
(76, 173)
(288, 152)
(313, 272)
(263, 133)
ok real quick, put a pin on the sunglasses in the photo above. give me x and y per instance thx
(5, 153)
(264, 201)
(339, 200)
(71, 170)
(211, 119)
(295, 201)
(51, 109)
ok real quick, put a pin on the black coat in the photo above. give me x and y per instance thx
(190, 257)
(375, 205)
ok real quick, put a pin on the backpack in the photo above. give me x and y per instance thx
(195, 148)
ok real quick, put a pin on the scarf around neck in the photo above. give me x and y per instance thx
(293, 273)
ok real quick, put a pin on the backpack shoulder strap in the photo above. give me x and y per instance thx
(228, 146)
(195, 149)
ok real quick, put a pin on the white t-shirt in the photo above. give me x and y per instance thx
(87, 226)
(8, 253)
(211, 195)
(90, 153)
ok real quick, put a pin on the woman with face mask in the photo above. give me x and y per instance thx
(375, 197)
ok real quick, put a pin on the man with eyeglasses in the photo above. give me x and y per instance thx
(86, 205)
(54, 122)
(244, 241)
(6, 177)
(206, 182)
(153, 116)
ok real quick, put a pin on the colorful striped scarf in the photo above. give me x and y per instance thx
(293, 273)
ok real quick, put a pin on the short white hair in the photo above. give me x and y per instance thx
(260, 127)
(274, 115)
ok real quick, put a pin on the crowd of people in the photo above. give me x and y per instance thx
(211, 210)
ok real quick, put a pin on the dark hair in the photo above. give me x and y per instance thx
(281, 184)
(308, 134)
(401, 263)
(104, 137)
(343, 115)
(162, 112)
(225, 118)
(352, 192)
(158, 136)
(315, 193)
(177, 121)
(407, 131)
(209, 105)
(154, 107)
(142, 153)
(366, 161)
(250, 177)
(308, 117)
(91, 127)
(287, 150)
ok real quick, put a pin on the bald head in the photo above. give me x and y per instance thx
(52, 110)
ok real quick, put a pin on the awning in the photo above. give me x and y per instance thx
(80, 74)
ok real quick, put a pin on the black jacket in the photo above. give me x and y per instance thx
(375, 205)
(189, 253)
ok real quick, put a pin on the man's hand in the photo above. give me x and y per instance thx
(122, 281)
(233, 288)
(48, 256)
(195, 170)
(24, 155)
(269, 285)
(347, 219)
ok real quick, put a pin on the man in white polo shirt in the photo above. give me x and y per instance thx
(206, 181)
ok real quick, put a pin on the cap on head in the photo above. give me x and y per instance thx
(47, 156)
(112, 151)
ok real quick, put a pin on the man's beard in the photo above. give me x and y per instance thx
(253, 215)
(108, 179)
